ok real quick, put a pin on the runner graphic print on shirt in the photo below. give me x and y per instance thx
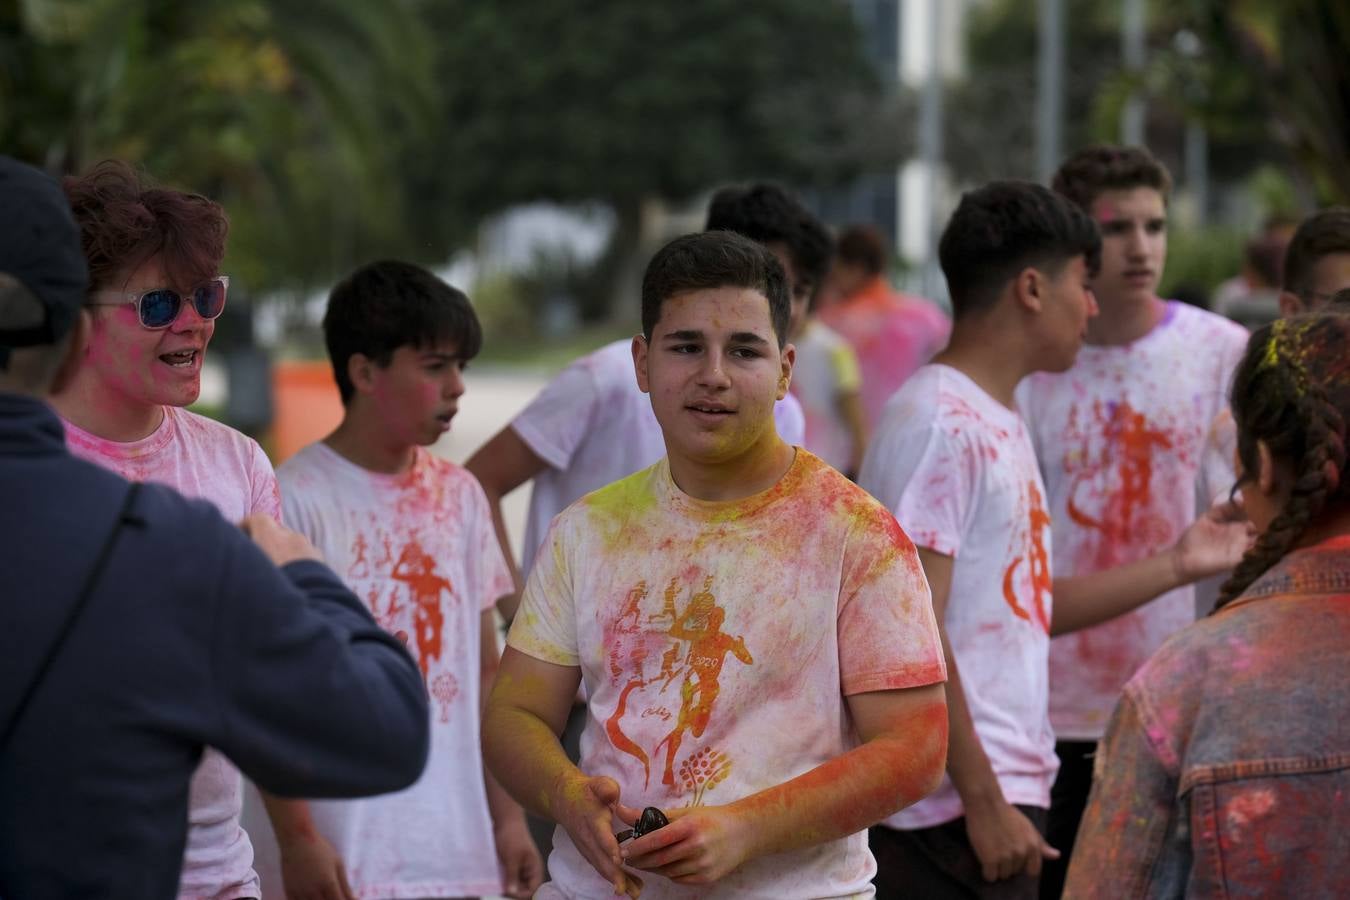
(413, 603)
(688, 639)
(1117, 505)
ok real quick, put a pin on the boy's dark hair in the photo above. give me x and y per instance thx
(863, 246)
(1004, 227)
(125, 219)
(767, 213)
(710, 260)
(1340, 301)
(388, 304)
(1321, 234)
(1091, 171)
(1292, 391)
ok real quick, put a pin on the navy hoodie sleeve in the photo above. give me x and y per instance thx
(315, 700)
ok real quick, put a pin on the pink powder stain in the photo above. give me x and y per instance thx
(1243, 810)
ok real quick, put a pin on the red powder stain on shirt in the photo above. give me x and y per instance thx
(417, 570)
(1039, 561)
(1130, 444)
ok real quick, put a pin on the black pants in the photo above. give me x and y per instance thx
(1068, 801)
(939, 863)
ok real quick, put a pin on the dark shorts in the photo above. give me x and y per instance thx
(939, 862)
(1068, 800)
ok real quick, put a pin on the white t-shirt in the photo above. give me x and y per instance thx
(717, 643)
(202, 459)
(826, 367)
(420, 550)
(593, 426)
(1120, 439)
(958, 470)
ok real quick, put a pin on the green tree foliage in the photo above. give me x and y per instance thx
(620, 102)
(278, 108)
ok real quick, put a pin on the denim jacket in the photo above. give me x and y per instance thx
(1225, 771)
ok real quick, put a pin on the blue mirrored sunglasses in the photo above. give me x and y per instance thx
(159, 307)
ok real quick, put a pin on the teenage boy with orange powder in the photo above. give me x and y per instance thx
(754, 632)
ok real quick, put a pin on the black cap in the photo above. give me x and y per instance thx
(40, 247)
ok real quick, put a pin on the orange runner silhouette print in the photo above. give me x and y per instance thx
(1128, 444)
(693, 649)
(417, 570)
(1038, 561)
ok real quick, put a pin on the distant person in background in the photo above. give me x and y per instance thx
(1317, 263)
(891, 333)
(156, 288)
(1252, 297)
(827, 381)
(140, 626)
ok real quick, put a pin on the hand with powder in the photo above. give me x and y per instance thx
(1214, 542)
(586, 806)
(700, 845)
(279, 543)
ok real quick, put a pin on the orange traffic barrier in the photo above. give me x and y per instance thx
(306, 406)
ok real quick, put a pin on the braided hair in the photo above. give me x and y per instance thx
(1292, 392)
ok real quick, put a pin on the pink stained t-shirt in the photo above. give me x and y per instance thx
(419, 548)
(202, 459)
(592, 426)
(718, 643)
(892, 334)
(1120, 438)
(958, 470)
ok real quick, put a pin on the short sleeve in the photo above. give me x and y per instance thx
(790, 420)
(545, 627)
(888, 635)
(266, 492)
(492, 576)
(847, 374)
(559, 418)
(925, 475)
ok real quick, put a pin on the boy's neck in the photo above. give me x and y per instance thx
(91, 406)
(1124, 321)
(756, 470)
(362, 445)
(989, 355)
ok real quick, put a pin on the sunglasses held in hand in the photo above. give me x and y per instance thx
(159, 307)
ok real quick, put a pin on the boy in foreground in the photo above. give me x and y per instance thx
(738, 612)
(411, 534)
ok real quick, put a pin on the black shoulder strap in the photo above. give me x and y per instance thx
(100, 562)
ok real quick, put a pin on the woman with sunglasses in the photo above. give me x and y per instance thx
(155, 291)
(1226, 768)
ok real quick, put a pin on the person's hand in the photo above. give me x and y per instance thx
(585, 807)
(700, 845)
(311, 869)
(1214, 542)
(521, 866)
(279, 543)
(1005, 842)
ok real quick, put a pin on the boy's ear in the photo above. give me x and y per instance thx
(1290, 304)
(788, 360)
(640, 350)
(1028, 287)
(361, 371)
